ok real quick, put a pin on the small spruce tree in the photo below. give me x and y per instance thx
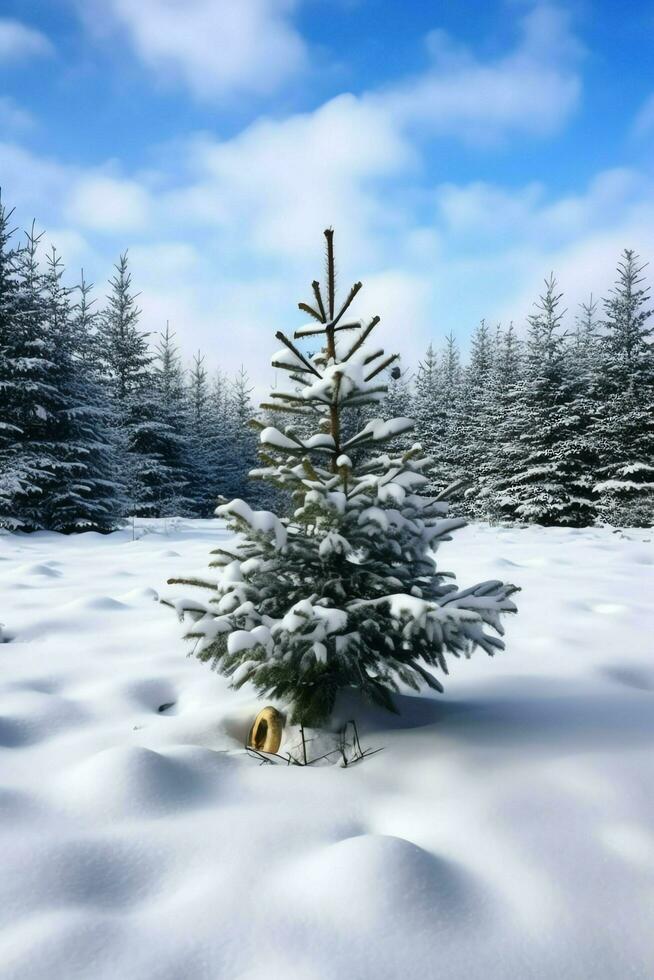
(345, 593)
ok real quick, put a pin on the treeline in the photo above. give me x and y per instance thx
(551, 425)
(97, 423)
(543, 425)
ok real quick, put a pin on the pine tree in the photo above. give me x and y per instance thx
(446, 469)
(169, 372)
(398, 403)
(624, 430)
(551, 461)
(503, 449)
(427, 387)
(100, 503)
(426, 401)
(242, 456)
(30, 392)
(56, 457)
(142, 435)
(345, 593)
(157, 439)
(586, 334)
(122, 349)
(68, 425)
(16, 474)
(472, 421)
(207, 437)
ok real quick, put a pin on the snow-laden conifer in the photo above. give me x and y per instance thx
(624, 429)
(500, 454)
(150, 445)
(345, 593)
(548, 477)
(30, 384)
(205, 438)
(152, 415)
(472, 429)
(240, 442)
(17, 473)
(82, 492)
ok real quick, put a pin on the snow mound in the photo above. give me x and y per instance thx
(47, 569)
(414, 889)
(636, 676)
(101, 603)
(133, 781)
(30, 716)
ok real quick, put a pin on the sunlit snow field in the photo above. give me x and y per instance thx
(505, 830)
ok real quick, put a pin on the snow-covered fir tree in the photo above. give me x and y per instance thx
(206, 438)
(19, 468)
(345, 593)
(586, 334)
(425, 395)
(550, 456)
(168, 367)
(145, 435)
(156, 453)
(436, 403)
(101, 502)
(153, 419)
(500, 451)
(56, 455)
(122, 348)
(472, 426)
(82, 491)
(624, 430)
(398, 403)
(30, 385)
(241, 455)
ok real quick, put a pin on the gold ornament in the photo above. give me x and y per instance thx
(266, 732)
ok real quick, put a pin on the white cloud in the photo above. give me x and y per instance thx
(478, 212)
(109, 204)
(221, 47)
(404, 301)
(35, 184)
(225, 241)
(276, 186)
(532, 89)
(18, 41)
(214, 47)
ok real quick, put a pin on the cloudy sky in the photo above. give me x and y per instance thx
(460, 151)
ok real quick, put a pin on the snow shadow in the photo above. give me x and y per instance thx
(525, 710)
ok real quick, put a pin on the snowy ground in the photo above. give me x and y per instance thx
(506, 830)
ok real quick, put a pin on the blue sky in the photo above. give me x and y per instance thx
(461, 151)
